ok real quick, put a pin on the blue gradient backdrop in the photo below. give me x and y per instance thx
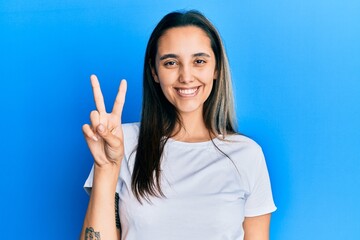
(296, 71)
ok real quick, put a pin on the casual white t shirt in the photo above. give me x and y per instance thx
(207, 193)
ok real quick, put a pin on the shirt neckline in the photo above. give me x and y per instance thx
(193, 144)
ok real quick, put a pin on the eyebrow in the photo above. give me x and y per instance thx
(171, 55)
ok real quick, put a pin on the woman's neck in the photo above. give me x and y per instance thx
(193, 129)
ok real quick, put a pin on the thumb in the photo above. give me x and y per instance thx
(107, 135)
(101, 129)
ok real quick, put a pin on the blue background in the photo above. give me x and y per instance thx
(296, 72)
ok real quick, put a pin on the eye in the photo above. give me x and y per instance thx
(170, 63)
(200, 61)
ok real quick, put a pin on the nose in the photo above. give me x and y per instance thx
(186, 74)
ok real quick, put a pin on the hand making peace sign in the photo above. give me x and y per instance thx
(104, 135)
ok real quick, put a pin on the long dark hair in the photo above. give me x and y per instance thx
(159, 117)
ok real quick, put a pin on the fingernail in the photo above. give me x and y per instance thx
(101, 128)
(95, 138)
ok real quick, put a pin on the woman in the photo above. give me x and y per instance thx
(183, 172)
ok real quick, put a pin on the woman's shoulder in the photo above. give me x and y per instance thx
(131, 136)
(245, 153)
(131, 129)
(242, 147)
(240, 140)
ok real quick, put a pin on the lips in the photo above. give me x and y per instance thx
(187, 92)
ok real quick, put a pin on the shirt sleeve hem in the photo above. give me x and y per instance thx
(260, 211)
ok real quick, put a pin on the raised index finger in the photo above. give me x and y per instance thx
(98, 97)
(120, 99)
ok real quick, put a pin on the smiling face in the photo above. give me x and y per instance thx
(185, 68)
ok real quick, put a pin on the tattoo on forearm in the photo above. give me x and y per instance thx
(117, 217)
(90, 234)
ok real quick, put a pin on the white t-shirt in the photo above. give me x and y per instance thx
(207, 194)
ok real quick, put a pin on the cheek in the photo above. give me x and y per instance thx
(210, 87)
(166, 88)
(167, 78)
(208, 76)
(208, 73)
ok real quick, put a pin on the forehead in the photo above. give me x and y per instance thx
(184, 39)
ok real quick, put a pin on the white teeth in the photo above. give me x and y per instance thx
(187, 91)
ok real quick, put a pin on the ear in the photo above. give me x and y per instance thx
(154, 74)
(216, 74)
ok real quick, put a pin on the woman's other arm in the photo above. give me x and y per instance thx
(100, 219)
(105, 140)
(257, 228)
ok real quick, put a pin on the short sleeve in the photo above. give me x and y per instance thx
(260, 200)
(89, 182)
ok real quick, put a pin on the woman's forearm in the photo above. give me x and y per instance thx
(100, 220)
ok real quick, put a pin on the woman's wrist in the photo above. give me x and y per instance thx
(106, 176)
